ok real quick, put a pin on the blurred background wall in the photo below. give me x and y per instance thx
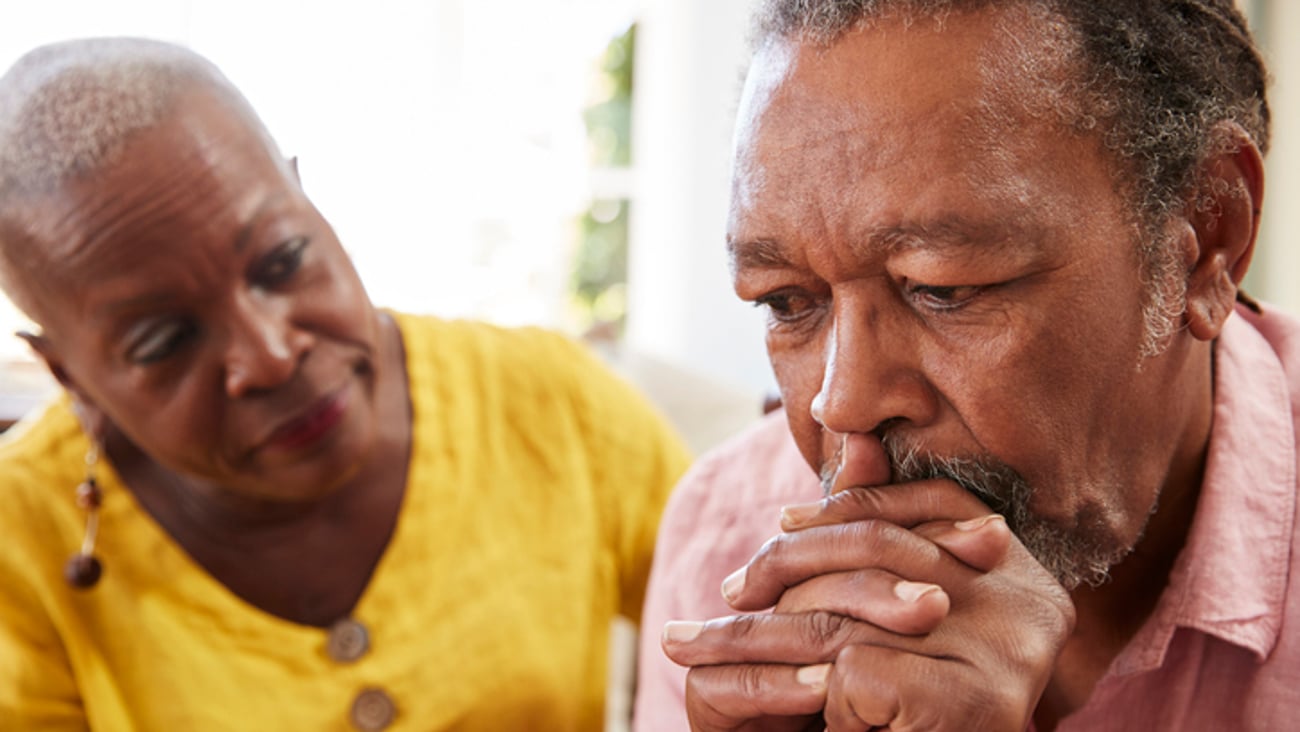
(1276, 272)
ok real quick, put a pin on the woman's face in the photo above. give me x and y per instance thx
(193, 298)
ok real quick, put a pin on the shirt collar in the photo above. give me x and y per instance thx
(1230, 579)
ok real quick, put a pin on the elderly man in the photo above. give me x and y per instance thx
(1000, 245)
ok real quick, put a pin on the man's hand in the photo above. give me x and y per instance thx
(901, 607)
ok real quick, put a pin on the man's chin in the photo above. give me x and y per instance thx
(1072, 557)
(1075, 556)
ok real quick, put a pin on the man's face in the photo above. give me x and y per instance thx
(951, 274)
(193, 296)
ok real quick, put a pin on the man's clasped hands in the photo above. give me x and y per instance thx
(907, 605)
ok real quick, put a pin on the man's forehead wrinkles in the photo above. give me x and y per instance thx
(853, 148)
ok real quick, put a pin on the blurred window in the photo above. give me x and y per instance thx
(471, 155)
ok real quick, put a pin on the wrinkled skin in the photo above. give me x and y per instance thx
(942, 267)
(217, 339)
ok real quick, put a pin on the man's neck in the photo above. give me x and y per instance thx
(1109, 616)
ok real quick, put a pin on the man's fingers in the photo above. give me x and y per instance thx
(754, 698)
(981, 543)
(790, 559)
(905, 504)
(861, 461)
(865, 690)
(873, 596)
(803, 639)
(876, 687)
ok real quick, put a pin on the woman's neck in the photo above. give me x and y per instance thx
(308, 561)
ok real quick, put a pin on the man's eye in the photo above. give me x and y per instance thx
(943, 297)
(158, 341)
(277, 267)
(786, 307)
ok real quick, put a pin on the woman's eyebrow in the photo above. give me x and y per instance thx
(245, 234)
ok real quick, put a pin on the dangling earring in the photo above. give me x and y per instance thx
(83, 570)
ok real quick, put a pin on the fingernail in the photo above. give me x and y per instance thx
(682, 631)
(913, 591)
(976, 524)
(800, 513)
(732, 585)
(814, 676)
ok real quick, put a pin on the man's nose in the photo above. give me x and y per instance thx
(871, 375)
(264, 347)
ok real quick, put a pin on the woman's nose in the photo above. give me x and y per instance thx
(264, 348)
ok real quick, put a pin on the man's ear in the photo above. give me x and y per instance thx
(1224, 217)
(93, 421)
(293, 165)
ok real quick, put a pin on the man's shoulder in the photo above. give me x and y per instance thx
(759, 450)
(1272, 335)
(754, 470)
(1282, 332)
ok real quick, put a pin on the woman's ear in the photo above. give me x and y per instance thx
(1224, 215)
(93, 420)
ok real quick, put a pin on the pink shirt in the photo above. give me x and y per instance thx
(1221, 651)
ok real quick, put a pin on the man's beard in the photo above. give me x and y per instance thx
(1083, 554)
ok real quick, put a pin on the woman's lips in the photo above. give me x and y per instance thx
(314, 424)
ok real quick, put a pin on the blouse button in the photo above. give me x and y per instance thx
(348, 641)
(373, 710)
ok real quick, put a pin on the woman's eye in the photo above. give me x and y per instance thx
(943, 297)
(158, 341)
(281, 264)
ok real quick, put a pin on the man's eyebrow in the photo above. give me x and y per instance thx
(950, 232)
(943, 234)
(756, 254)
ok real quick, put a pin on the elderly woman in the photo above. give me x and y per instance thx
(263, 503)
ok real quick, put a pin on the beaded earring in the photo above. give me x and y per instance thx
(83, 570)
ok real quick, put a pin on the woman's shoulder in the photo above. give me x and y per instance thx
(42, 459)
(47, 442)
(478, 338)
(516, 378)
(477, 354)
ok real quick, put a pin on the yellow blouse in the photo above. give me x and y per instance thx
(535, 487)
